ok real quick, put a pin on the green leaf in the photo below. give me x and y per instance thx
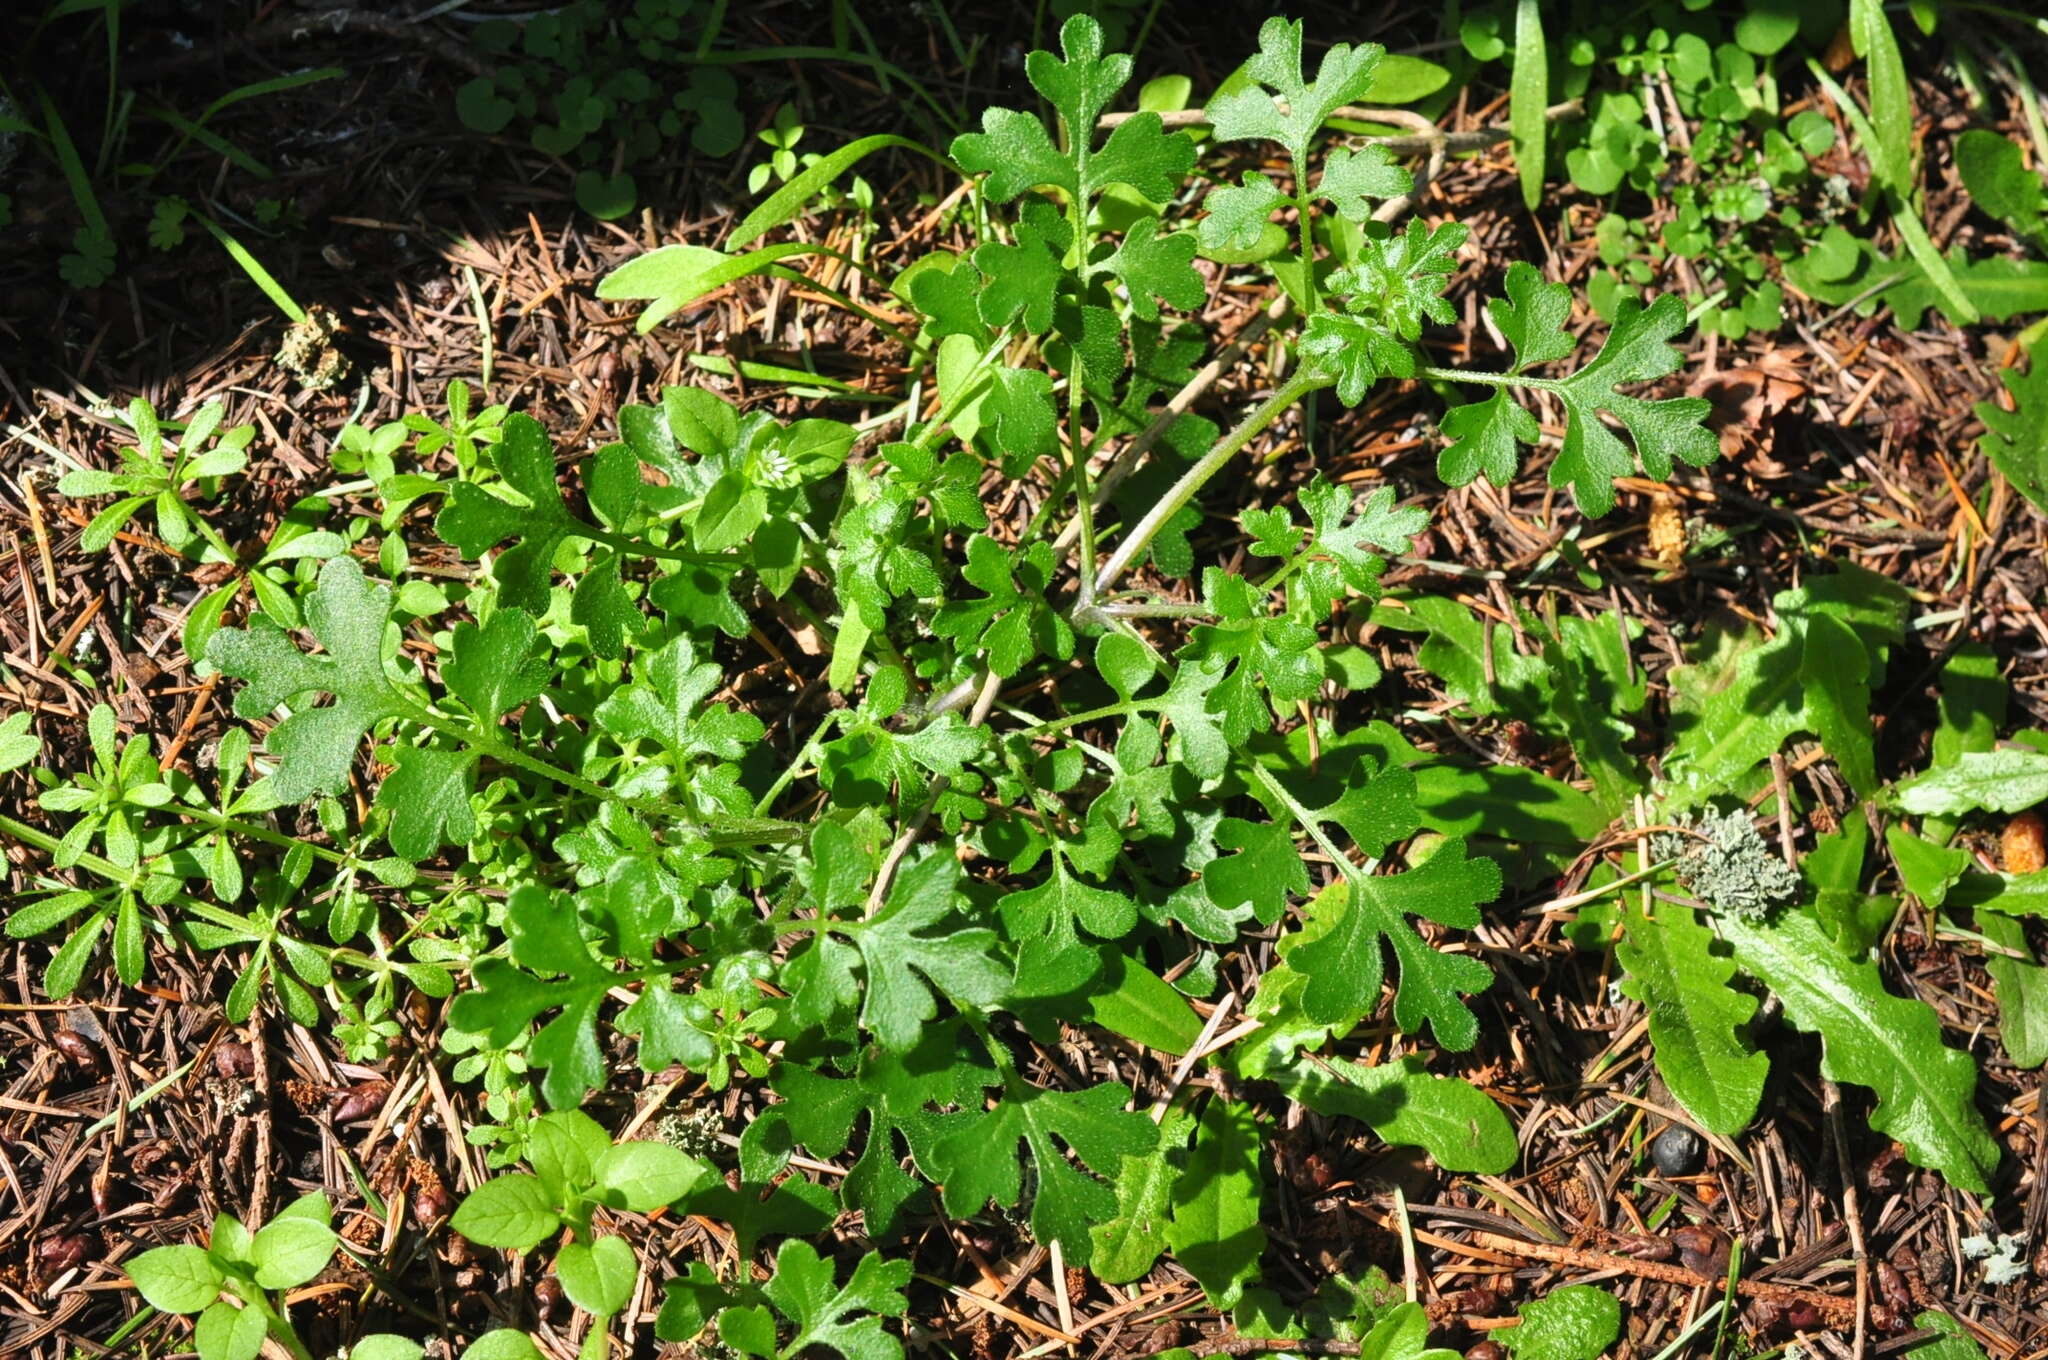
(1401, 1333)
(474, 520)
(494, 667)
(674, 276)
(2016, 441)
(908, 961)
(1994, 170)
(2021, 985)
(1528, 94)
(1954, 1343)
(1833, 670)
(385, 1346)
(2009, 780)
(225, 1332)
(1017, 153)
(642, 1176)
(1392, 284)
(1592, 456)
(598, 1278)
(898, 1092)
(664, 704)
(1926, 870)
(789, 202)
(428, 795)
(1573, 1322)
(179, 1279)
(1213, 1226)
(1345, 966)
(18, 746)
(289, 1251)
(1405, 1105)
(315, 746)
(805, 1290)
(1126, 1246)
(1252, 113)
(1023, 278)
(513, 1211)
(1133, 1001)
(1238, 214)
(1871, 1038)
(975, 1158)
(1698, 1019)
(1154, 266)
(502, 1343)
(1011, 620)
(1741, 702)
(1263, 873)
(1350, 177)
(1891, 95)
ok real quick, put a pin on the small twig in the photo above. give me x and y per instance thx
(1831, 1101)
(1836, 1311)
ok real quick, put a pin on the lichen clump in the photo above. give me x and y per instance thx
(1724, 862)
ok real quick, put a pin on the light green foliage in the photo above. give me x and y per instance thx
(1872, 1038)
(1815, 675)
(1251, 113)
(803, 1300)
(1994, 170)
(2009, 780)
(1213, 1208)
(2016, 441)
(1484, 434)
(231, 1283)
(1573, 1322)
(1393, 286)
(974, 1156)
(1698, 1019)
(166, 479)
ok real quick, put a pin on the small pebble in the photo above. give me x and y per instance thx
(1678, 1151)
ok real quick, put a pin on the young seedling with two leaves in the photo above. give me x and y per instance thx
(577, 1170)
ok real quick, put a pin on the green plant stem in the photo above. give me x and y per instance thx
(222, 822)
(1196, 477)
(1307, 822)
(1305, 238)
(1466, 375)
(280, 1329)
(797, 762)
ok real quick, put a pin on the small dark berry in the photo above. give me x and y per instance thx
(1678, 1151)
(1486, 1350)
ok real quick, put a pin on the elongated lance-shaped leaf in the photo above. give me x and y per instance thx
(315, 746)
(1869, 1037)
(1214, 1224)
(1697, 1017)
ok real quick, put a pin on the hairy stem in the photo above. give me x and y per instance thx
(1196, 477)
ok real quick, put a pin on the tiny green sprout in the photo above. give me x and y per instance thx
(235, 1282)
(153, 472)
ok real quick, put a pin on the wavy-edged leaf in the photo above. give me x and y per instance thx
(1926, 1090)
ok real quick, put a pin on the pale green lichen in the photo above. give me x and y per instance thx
(1722, 860)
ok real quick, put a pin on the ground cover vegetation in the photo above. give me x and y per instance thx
(1352, 685)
